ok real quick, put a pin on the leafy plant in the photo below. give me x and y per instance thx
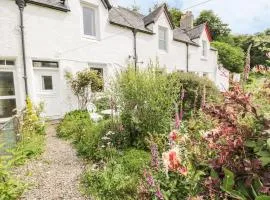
(83, 86)
(146, 98)
(232, 58)
(119, 179)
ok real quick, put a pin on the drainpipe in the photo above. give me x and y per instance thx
(135, 57)
(187, 57)
(21, 4)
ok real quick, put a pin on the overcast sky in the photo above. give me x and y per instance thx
(243, 16)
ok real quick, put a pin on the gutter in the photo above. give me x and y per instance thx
(21, 4)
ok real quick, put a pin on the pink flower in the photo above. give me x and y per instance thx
(173, 135)
(183, 171)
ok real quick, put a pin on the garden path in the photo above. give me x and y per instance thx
(56, 174)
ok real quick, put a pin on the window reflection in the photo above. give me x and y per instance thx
(7, 107)
(6, 84)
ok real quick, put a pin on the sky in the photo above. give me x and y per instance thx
(243, 16)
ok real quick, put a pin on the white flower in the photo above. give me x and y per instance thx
(105, 138)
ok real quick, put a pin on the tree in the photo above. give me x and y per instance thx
(216, 26)
(176, 16)
(83, 86)
(231, 57)
(260, 47)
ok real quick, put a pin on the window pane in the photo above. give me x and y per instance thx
(10, 62)
(47, 83)
(162, 34)
(7, 107)
(204, 50)
(6, 84)
(162, 44)
(89, 21)
(162, 38)
(2, 62)
(45, 64)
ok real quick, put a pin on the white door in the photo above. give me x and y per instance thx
(47, 86)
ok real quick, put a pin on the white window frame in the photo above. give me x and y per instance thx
(204, 49)
(9, 68)
(161, 28)
(97, 26)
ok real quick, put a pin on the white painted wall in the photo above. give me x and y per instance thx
(58, 36)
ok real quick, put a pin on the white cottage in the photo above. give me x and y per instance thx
(71, 35)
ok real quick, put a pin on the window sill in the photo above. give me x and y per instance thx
(163, 51)
(46, 68)
(204, 58)
(91, 38)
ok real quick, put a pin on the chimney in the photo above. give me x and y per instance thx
(186, 21)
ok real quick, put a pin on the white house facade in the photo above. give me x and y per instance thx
(71, 35)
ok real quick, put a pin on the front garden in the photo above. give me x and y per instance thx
(172, 136)
(30, 133)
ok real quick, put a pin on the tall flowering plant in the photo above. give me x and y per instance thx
(171, 174)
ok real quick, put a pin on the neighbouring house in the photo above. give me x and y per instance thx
(70, 35)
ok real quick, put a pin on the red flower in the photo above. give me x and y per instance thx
(174, 163)
(173, 135)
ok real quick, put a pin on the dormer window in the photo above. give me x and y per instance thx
(163, 38)
(204, 48)
(90, 21)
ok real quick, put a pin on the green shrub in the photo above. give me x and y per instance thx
(32, 136)
(88, 140)
(102, 103)
(10, 189)
(73, 123)
(119, 180)
(146, 98)
(231, 57)
(193, 86)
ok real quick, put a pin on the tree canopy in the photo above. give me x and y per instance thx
(176, 16)
(216, 26)
(232, 58)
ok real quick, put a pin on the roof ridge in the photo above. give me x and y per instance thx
(132, 11)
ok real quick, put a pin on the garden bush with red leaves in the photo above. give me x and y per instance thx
(238, 172)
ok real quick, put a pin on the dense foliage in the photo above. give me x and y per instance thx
(220, 151)
(232, 58)
(84, 85)
(215, 24)
(193, 89)
(146, 100)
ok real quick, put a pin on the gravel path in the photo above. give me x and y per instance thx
(56, 174)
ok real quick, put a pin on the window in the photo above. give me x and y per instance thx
(7, 62)
(47, 64)
(100, 73)
(89, 21)
(47, 83)
(204, 48)
(7, 94)
(163, 37)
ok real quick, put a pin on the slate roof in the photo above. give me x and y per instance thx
(181, 36)
(54, 4)
(59, 5)
(196, 31)
(153, 16)
(127, 18)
